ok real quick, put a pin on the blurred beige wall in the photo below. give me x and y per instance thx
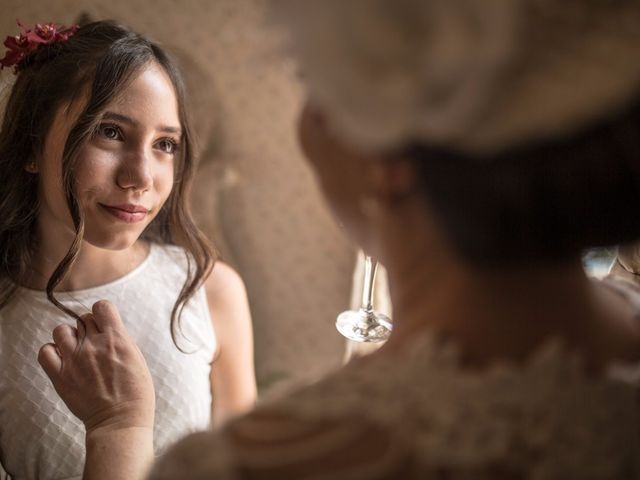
(254, 195)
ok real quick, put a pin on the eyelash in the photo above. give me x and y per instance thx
(100, 130)
(174, 145)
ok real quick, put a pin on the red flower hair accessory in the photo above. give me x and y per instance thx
(30, 39)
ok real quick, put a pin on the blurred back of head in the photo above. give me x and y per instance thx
(520, 116)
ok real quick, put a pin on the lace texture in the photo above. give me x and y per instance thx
(423, 415)
(479, 75)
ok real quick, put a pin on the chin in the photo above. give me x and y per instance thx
(111, 242)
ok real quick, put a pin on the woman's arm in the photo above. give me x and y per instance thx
(118, 453)
(233, 383)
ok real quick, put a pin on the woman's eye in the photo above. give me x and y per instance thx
(168, 146)
(111, 132)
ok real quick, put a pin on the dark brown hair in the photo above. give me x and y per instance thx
(100, 58)
(542, 201)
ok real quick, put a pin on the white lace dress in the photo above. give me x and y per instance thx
(420, 414)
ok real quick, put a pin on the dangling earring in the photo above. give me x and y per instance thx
(31, 167)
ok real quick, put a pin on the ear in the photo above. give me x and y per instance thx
(391, 178)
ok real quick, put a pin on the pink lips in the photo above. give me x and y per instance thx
(128, 213)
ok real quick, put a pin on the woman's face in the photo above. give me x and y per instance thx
(339, 170)
(124, 173)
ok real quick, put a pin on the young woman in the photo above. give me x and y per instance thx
(475, 148)
(96, 162)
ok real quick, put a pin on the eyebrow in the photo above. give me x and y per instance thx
(130, 121)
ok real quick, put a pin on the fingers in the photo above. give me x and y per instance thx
(106, 316)
(50, 361)
(86, 325)
(65, 338)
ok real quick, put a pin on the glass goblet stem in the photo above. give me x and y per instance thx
(370, 268)
(365, 324)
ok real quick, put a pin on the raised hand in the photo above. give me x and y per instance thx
(99, 372)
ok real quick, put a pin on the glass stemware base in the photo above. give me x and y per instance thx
(364, 325)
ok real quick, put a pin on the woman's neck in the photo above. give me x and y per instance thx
(93, 267)
(498, 313)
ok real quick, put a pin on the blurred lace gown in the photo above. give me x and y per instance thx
(422, 414)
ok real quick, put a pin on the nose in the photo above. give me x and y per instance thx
(135, 171)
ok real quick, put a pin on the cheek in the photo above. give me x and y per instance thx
(164, 180)
(336, 168)
(339, 178)
(94, 176)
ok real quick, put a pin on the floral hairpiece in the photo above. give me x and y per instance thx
(19, 46)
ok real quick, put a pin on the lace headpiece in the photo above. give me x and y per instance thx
(477, 75)
(22, 45)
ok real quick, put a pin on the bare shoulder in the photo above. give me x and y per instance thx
(224, 283)
(233, 377)
(230, 314)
